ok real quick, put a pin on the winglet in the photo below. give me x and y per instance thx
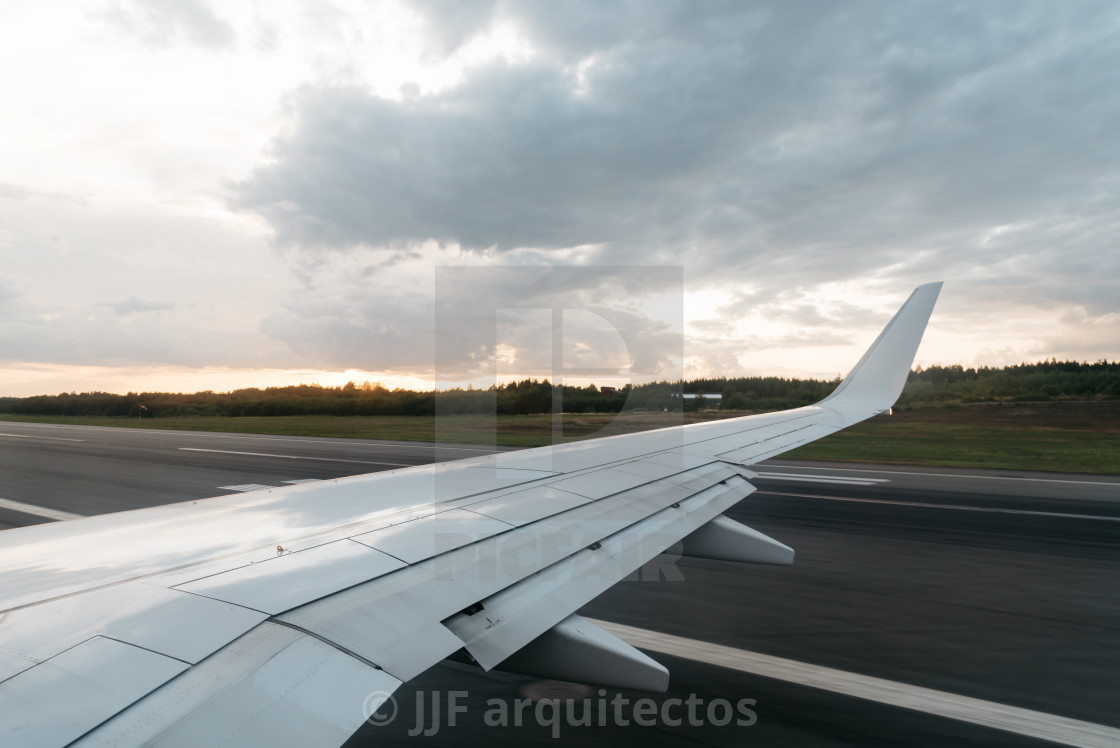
(877, 380)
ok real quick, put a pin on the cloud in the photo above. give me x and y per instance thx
(136, 305)
(18, 192)
(13, 191)
(796, 147)
(451, 23)
(806, 142)
(805, 164)
(8, 290)
(404, 318)
(578, 28)
(166, 24)
(134, 286)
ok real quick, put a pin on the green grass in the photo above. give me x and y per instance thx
(1076, 437)
(967, 445)
(1060, 437)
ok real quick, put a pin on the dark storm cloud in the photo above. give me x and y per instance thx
(164, 24)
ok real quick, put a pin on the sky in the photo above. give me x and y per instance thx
(199, 195)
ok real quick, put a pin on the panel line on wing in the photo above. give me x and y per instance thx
(308, 632)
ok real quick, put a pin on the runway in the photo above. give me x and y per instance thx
(95, 470)
(997, 588)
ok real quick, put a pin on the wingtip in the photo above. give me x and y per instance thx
(878, 378)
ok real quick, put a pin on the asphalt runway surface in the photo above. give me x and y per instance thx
(996, 589)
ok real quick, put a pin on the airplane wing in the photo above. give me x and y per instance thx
(285, 616)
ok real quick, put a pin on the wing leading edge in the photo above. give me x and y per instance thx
(218, 640)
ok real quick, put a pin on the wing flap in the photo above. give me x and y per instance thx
(13, 664)
(518, 614)
(94, 680)
(394, 621)
(274, 686)
(386, 625)
(141, 614)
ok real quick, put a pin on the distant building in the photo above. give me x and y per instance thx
(702, 395)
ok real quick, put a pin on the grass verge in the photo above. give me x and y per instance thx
(1055, 436)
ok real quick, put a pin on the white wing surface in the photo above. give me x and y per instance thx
(187, 625)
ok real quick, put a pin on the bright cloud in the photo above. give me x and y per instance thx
(250, 188)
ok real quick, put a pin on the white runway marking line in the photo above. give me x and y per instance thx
(992, 509)
(246, 487)
(1013, 719)
(38, 511)
(270, 437)
(955, 475)
(294, 457)
(371, 443)
(835, 479)
(258, 486)
(44, 438)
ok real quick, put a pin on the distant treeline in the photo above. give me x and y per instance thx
(1040, 381)
(367, 399)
